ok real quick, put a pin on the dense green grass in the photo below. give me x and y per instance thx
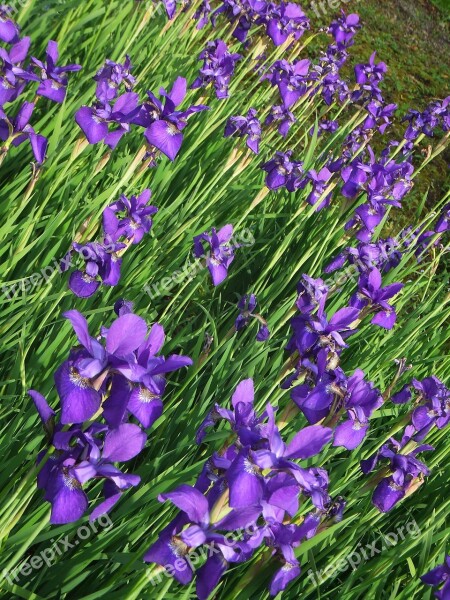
(210, 184)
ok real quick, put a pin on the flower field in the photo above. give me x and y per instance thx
(225, 302)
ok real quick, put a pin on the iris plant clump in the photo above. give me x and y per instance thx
(113, 113)
(338, 407)
(218, 67)
(110, 389)
(406, 472)
(18, 72)
(262, 492)
(280, 20)
(125, 223)
(247, 305)
(245, 126)
(246, 497)
(220, 254)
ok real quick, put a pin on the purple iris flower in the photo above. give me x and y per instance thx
(53, 80)
(285, 20)
(84, 455)
(371, 293)
(323, 389)
(443, 223)
(432, 404)
(242, 418)
(291, 79)
(245, 126)
(380, 115)
(242, 14)
(320, 182)
(174, 545)
(360, 401)
(333, 86)
(116, 380)
(330, 63)
(139, 382)
(438, 576)
(325, 125)
(385, 254)
(352, 145)
(79, 379)
(120, 445)
(435, 409)
(312, 294)
(175, 542)
(370, 72)
(220, 254)
(366, 219)
(390, 181)
(284, 539)
(354, 176)
(365, 94)
(386, 183)
(202, 14)
(344, 29)
(283, 172)
(45, 412)
(218, 68)
(262, 448)
(110, 77)
(325, 75)
(283, 114)
(369, 77)
(9, 30)
(125, 222)
(306, 443)
(435, 115)
(171, 8)
(405, 470)
(247, 305)
(95, 121)
(311, 483)
(309, 331)
(328, 393)
(103, 262)
(129, 218)
(196, 506)
(17, 130)
(170, 551)
(13, 76)
(130, 357)
(163, 124)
